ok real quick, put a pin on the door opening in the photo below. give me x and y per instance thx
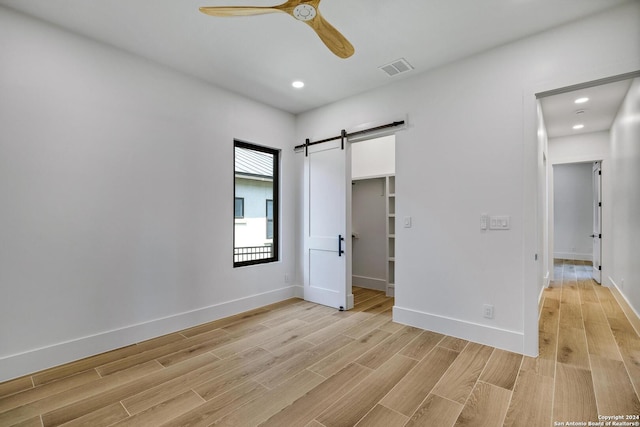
(327, 217)
(577, 130)
(374, 207)
(573, 213)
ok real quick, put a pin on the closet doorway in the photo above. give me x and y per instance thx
(373, 201)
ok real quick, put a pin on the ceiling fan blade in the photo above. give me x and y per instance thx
(302, 10)
(332, 38)
(237, 10)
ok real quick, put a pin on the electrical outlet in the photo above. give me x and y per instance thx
(286, 278)
(488, 311)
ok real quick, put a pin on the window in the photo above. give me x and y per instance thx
(256, 182)
(269, 219)
(239, 208)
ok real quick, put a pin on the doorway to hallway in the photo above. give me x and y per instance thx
(576, 203)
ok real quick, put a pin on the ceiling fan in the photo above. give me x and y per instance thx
(303, 10)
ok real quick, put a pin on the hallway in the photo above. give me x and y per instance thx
(589, 346)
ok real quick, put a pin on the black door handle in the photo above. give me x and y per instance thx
(340, 240)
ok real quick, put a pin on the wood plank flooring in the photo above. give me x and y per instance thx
(298, 364)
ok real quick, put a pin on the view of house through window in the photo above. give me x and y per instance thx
(255, 237)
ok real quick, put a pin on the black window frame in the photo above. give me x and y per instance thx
(275, 245)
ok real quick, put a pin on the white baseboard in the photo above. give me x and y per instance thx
(369, 282)
(573, 256)
(28, 362)
(391, 290)
(541, 301)
(547, 280)
(626, 306)
(482, 334)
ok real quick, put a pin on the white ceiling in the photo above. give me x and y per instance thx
(259, 56)
(560, 116)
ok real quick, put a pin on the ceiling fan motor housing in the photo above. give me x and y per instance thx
(304, 12)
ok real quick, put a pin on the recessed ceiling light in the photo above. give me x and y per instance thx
(298, 84)
(581, 100)
(576, 127)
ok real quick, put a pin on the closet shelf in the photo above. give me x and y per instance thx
(390, 186)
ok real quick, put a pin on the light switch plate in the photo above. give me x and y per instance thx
(502, 222)
(407, 222)
(484, 221)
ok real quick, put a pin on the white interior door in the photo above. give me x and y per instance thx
(597, 222)
(327, 225)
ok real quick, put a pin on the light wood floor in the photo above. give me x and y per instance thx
(299, 364)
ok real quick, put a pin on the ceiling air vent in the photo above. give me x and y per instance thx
(398, 66)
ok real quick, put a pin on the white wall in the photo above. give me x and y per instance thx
(625, 158)
(470, 148)
(369, 248)
(116, 181)
(373, 157)
(573, 211)
(544, 167)
(583, 147)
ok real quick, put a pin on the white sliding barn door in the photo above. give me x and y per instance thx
(327, 225)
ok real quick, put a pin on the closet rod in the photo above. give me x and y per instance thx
(360, 132)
